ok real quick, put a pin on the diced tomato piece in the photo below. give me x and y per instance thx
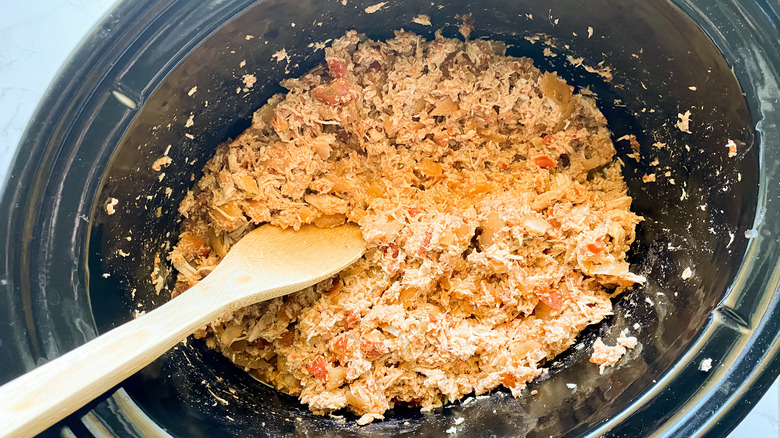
(280, 121)
(550, 297)
(390, 260)
(545, 162)
(319, 369)
(353, 319)
(340, 346)
(426, 243)
(337, 68)
(596, 247)
(548, 139)
(393, 250)
(332, 93)
(503, 166)
(442, 139)
(553, 300)
(372, 349)
(413, 211)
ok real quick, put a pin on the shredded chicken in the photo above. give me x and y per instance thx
(496, 219)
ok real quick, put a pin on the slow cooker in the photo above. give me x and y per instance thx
(707, 320)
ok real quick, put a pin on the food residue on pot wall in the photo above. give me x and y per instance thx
(110, 205)
(683, 124)
(606, 356)
(375, 8)
(422, 20)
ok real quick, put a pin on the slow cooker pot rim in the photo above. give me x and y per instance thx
(756, 61)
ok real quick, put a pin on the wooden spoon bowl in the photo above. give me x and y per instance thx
(266, 263)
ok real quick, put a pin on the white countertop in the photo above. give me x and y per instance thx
(35, 40)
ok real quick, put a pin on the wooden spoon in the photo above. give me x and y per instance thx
(267, 263)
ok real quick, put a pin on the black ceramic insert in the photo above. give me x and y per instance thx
(73, 271)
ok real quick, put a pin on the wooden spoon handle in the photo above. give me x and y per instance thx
(36, 400)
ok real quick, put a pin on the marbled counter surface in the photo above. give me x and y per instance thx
(35, 40)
